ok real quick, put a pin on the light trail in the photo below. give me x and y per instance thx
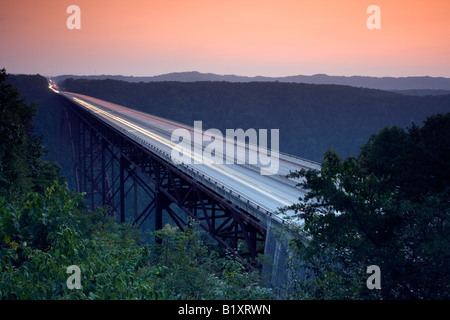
(225, 170)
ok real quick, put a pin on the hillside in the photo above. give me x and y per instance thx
(311, 118)
(395, 199)
(382, 83)
(48, 120)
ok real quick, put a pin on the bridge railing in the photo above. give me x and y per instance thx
(206, 178)
(195, 173)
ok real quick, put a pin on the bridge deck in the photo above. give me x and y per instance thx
(241, 183)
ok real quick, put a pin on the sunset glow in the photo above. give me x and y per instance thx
(247, 37)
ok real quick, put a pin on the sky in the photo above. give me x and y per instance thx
(241, 37)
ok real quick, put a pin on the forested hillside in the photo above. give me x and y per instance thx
(46, 229)
(311, 118)
(48, 118)
(382, 83)
(392, 198)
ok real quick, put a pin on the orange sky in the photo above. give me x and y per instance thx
(244, 37)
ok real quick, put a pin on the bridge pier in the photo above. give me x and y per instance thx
(281, 269)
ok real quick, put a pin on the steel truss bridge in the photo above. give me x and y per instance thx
(121, 161)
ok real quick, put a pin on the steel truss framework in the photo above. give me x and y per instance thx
(134, 184)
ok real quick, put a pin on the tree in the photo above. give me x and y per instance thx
(189, 269)
(387, 207)
(47, 233)
(21, 168)
(45, 229)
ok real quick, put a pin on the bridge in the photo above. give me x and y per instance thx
(123, 159)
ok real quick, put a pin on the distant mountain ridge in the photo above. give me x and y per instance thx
(440, 84)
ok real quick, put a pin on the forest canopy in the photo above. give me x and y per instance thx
(387, 205)
(45, 228)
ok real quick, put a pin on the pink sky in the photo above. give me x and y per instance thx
(243, 37)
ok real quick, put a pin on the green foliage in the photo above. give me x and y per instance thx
(41, 238)
(49, 232)
(47, 124)
(388, 207)
(21, 168)
(45, 228)
(188, 270)
(178, 258)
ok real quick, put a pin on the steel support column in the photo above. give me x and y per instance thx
(134, 182)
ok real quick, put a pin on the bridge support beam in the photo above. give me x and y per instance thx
(134, 181)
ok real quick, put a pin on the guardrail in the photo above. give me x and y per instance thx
(198, 174)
